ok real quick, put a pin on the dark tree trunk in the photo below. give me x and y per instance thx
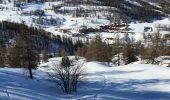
(30, 72)
(29, 64)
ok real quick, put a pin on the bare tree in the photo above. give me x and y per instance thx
(98, 50)
(2, 54)
(21, 54)
(45, 55)
(156, 47)
(116, 49)
(68, 73)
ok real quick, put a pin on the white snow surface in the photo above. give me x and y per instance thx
(134, 2)
(101, 82)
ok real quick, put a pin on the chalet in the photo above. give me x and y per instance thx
(148, 29)
(64, 30)
(78, 35)
(39, 12)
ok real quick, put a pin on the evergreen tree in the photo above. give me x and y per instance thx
(129, 53)
(65, 62)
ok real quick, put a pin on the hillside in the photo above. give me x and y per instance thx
(138, 9)
(82, 20)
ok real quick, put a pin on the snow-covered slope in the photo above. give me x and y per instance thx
(103, 82)
(130, 82)
(15, 86)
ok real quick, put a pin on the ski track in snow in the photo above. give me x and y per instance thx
(7, 93)
(97, 95)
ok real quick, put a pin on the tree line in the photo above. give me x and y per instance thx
(128, 52)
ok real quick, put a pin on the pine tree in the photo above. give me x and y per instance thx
(129, 53)
(65, 62)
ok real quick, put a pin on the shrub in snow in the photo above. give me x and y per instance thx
(68, 74)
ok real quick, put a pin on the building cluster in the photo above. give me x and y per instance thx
(115, 26)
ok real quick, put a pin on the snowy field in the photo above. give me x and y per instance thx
(15, 86)
(102, 82)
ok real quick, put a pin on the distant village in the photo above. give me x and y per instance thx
(119, 23)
